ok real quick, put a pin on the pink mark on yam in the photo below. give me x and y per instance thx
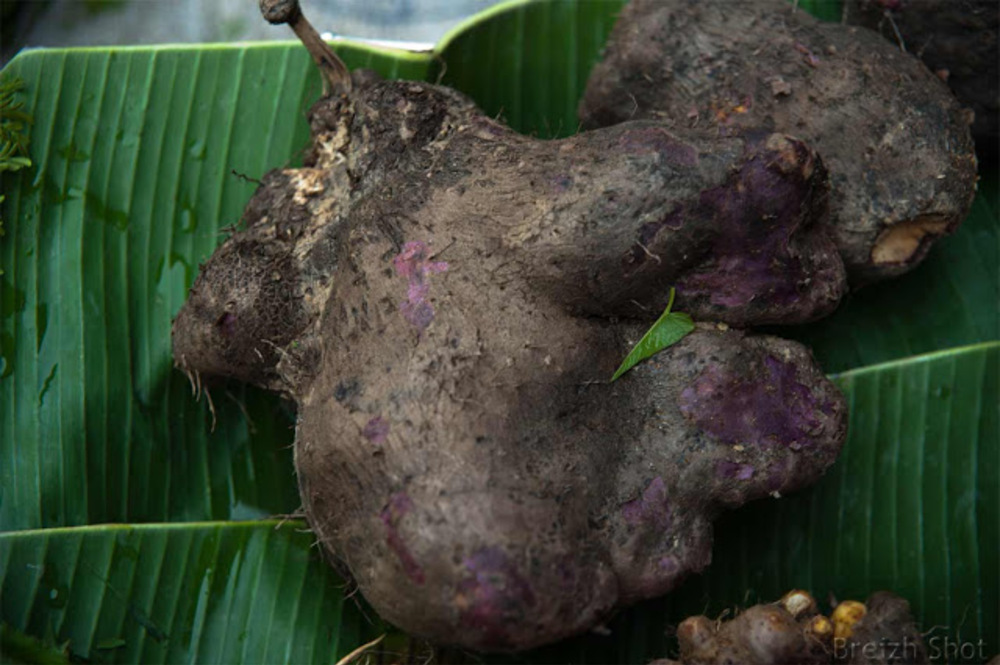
(809, 58)
(650, 507)
(400, 504)
(668, 565)
(227, 324)
(376, 430)
(414, 265)
(493, 597)
(727, 469)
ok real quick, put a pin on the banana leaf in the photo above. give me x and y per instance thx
(144, 157)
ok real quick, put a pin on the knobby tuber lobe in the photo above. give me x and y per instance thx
(599, 224)
(439, 296)
(897, 144)
(880, 631)
(956, 39)
(517, 496)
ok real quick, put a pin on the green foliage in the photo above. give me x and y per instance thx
(13, 133)
(214, 592)
(17, 648)
(669, 329)
(13, 127)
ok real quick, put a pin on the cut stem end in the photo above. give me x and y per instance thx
(334, 70)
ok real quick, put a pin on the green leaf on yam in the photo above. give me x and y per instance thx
(669, 329)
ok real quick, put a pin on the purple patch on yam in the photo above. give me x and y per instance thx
(758, 210)
(227, 324)
(418, 314)
(810, 58)
(376, 430)
(400, 504)
(652, 506)
(566, 570)
(727, 469)
(413, 264)
(494, 595)
(668, 565)
(770, 408)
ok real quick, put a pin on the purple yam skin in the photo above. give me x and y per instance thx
(601, 224)
(507, 566)
(400, 504)
(656, 139)
(652, 506)
(376, 430)
(896, 142)
(502, 433)
(757, 419)
(761, 253)
(773, 408)
(727, 469)
(492, 596)
(755, 264)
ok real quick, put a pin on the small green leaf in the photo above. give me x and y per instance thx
(669, 329)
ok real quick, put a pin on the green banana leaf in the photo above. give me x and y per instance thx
(143, 157)
(222, 592)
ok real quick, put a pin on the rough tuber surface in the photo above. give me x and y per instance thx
(956, 39)
(897, 144)
(445, 300)
(880, 631)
